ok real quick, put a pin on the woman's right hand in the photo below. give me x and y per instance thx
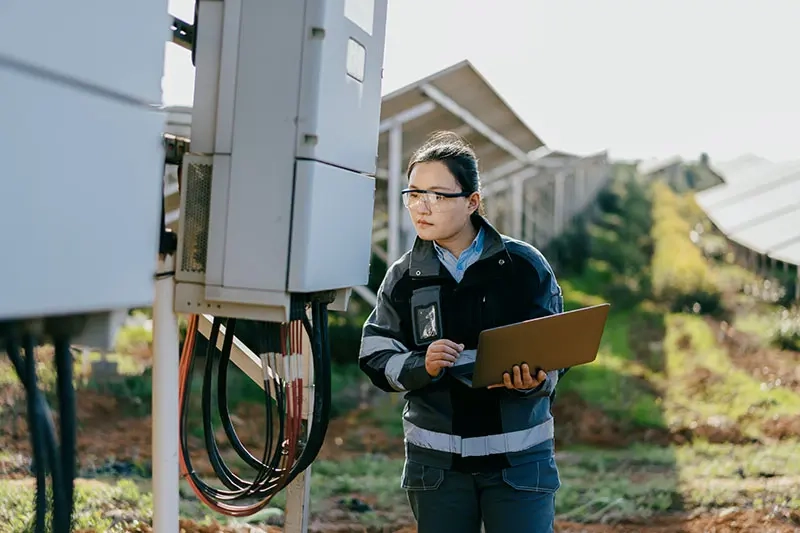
(441, 354)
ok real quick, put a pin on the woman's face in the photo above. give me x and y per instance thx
(436, 217)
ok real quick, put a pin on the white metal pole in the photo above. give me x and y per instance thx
(166, 468)
(393, 192)
(394, 188)
(797, 284)
(517, 203)
(558, 204)
(298, 493)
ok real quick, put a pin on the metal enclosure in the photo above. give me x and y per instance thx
(278, 194)
(81, 209)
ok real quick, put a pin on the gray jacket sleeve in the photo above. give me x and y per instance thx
(548, 300)
(384, 357)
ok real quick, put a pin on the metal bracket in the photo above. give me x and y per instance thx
(182, 33)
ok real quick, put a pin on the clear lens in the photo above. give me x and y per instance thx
(434, 202)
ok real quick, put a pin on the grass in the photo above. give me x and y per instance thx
(680, 273)
(659, 367)
(621, 484)
(97, 503)
(614, 382)
(691, 350)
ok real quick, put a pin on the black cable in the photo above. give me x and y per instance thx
(208, 430)
(270, 477)
(67, 414)
(318, 332)
(237, 485)
(264, 483)
(42, 422)
(26, 372)
(255, 489)
(222, 404)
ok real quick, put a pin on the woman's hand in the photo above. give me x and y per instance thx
(522, 379)
(441, 354)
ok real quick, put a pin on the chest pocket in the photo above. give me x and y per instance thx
(426, 315)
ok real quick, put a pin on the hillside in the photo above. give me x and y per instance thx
(688, 421)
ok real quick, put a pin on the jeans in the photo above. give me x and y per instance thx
(519, 499)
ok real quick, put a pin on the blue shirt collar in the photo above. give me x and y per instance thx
(457, 266)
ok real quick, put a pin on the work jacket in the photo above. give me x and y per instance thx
(448, 425)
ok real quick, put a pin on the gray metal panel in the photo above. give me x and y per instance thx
(339, 115)
(789, 253)
(757, 206)
(81, 212)
(331, 228)
(468, 88)
(772, 232)
(118, 46)
(741, 167)
(262, 164)
(208, 45)
(749, 183)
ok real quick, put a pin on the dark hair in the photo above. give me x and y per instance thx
(457, 154)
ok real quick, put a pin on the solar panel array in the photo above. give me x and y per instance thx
(759, 207)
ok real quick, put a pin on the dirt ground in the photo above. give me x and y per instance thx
(726, 521)
(774, 367)
(104, 434)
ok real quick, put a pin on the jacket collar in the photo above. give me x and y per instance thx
(424, 263)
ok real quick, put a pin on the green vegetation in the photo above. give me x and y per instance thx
(681, 411)
(786, 334)
(681, 275)
(705, 384)
(596, 484)
(608, 256)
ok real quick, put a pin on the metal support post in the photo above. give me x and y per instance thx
(558, 205)
(517, 203)
(298, 493)
(166, 468)
(797, 283)
(393, 191)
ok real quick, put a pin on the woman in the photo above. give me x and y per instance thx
(472, 455)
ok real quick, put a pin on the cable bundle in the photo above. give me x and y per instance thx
(47, 453)
(287, 451)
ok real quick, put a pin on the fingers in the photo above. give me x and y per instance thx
(520, 378)
(518, 384)
(438, 365)
(451, 344)
(441, 356)
(446, 346)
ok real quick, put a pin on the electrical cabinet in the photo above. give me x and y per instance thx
(278, 193)
(81, 159)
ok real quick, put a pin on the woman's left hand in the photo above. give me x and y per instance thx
(522, 378)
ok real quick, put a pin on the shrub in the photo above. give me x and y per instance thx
(611, 251)
(134, 340)
(787, 332)
(680, 274)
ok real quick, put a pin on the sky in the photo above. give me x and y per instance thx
(639, 78)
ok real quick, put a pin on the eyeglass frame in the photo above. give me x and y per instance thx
(462, 194)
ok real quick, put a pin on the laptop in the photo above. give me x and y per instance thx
(549, 343)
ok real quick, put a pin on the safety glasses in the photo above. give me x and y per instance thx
(436, 201)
